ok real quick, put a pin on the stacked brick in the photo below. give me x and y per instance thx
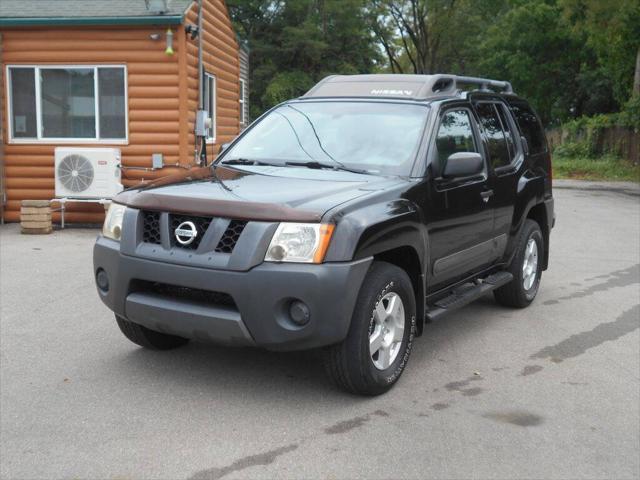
(35, 217)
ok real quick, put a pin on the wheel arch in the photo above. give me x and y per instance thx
(406, 258)
(538, 213)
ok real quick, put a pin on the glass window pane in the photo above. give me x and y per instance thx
(112, 103)
(497, 143)
(242, 102)
(23, 103)
(507, 130)
(68, 103)
(210, 105)
(530, 127)
(454, 135)
(374, 136)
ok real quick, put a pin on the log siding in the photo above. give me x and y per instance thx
(162, 98)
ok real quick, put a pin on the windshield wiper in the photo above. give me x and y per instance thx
(330, 166)
(246, 161)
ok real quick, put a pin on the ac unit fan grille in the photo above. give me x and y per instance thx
(76, 173)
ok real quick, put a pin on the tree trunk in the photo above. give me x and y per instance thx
(636, 78)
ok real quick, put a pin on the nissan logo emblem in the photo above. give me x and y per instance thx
(186, 233)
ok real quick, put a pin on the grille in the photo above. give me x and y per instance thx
(151, 228)
(230, 237)
(183, 293)
(201, 223)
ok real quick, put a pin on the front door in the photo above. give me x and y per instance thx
(460, 217)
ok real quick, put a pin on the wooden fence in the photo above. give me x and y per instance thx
(621, 141)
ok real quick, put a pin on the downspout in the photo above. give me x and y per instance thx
(201, 128)
(3, 195)
(200, 63)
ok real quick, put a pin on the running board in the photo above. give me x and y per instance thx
(466, 294)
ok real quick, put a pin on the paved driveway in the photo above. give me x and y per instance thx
(547, 392)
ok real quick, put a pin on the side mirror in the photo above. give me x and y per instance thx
(463, 164)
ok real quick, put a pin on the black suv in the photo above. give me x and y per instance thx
(345, 219)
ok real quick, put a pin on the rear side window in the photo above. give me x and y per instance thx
(454, 135)
(530, 127)
(496, 138)
(506, 126)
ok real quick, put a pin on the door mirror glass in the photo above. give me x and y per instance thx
(463, 164)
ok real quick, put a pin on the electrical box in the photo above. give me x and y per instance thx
(201, 123)
(157, 160)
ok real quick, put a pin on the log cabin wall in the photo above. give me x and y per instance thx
(220, 59)
(2, 192)
(162, 98)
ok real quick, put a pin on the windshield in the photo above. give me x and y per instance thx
(379, 138)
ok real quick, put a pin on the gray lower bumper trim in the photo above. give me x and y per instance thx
(187, 319)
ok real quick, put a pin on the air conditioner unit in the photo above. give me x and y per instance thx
(87, 172)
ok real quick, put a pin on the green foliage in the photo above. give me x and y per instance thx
(296, 43)
(532, 47)
(583, 136)
(604, 168)
(285, 86)
(569, 58)
(611, 30)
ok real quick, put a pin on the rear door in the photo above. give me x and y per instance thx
(505, 158)
(459, 218)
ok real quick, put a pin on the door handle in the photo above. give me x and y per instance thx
(486, 195)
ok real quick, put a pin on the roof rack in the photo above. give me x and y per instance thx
(411, 87)
(485, 83)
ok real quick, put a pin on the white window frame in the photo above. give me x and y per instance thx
(243, 92)
(213, 103)
(63, 140)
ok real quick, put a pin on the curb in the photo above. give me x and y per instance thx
(627, 188)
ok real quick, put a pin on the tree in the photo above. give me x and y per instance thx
(612, 30)
(435, 36)
(533, 47)
(295, 43)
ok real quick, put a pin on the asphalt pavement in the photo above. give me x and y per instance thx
(552, 391)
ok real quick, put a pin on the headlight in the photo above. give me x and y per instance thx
(299, 242)
(113, 223)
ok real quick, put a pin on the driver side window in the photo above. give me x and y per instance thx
(455, 134)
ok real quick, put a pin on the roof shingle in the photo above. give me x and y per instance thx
(85, 8)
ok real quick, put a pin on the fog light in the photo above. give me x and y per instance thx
(102, 280)
(299, 312)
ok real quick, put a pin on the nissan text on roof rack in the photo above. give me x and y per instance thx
(342, 220)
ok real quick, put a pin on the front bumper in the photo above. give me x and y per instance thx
(261, 296)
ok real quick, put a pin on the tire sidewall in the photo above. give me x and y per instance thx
(532, 232)
(400, 285)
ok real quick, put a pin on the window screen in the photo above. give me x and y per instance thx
(68, 103)
(210, 104)
(82, 102)
(112, 102)
(23, 102)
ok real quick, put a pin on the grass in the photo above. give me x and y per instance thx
(604, 168)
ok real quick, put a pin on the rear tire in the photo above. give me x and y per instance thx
(525, 268)
(383, 322)
(149, 338)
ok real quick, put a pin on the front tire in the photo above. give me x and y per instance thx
(377, 348)
(525, 268)
(149, 338)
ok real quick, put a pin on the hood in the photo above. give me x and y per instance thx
(254, 193)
